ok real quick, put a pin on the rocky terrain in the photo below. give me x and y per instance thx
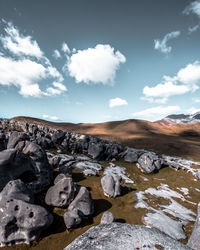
(181, 119)
(56, 184)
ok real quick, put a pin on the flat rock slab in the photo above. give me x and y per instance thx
(118, 236)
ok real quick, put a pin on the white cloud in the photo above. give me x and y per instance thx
(186, 80)
(56, 54)
(19, 44)
(65, 48)
(190, 74)
(158, 111)
(193, 7)
(95, 65)
(116, 102)
(23, 71)
(25, 75)
(193, 29)
(162, 46)
(53, 118)
(60, 86)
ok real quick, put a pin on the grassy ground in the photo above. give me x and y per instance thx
(57, 236)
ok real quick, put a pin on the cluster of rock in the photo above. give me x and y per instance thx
(71, 142)
(26, 169)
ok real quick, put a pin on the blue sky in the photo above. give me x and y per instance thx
(97, 60)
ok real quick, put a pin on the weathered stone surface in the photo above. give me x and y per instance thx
(89, 172)
(21, 222)
(2, 141)
(131, 155)
(58, 137)
(42, 170)
(83, 202)
(59, 177)
(72, 218)
(194, 240)
(62, 193)
(111, 185)
(149, 162)
(107, 218)
(16, 190)
(12, 165)
(118, 236)
(165, 224)
(16, 137)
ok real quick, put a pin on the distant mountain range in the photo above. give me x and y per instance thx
(181, 119)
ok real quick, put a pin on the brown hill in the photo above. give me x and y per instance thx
(179, 140)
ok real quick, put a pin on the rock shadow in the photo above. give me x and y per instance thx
(101, 205)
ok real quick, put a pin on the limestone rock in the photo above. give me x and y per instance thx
(107, 218)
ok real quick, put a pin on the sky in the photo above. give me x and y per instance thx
(97, 60)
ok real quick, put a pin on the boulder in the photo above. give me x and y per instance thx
(21, 222)
(58, 137)
(62, 193)
(194, 240)
(111, 185)
(15, 138)
(16, 190)
(131, 155)
(13, 164)
(2, 141)
(42, 169)
(124, 236)
(107, 218)
(83, 202)
(96, 150)
(149, 162)
(72, 218)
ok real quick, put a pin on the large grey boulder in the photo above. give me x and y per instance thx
(107, 218)
(62, 193)
(194, 240)
(72, 218)
(83, 202)
(15, 138)
(118, 236)
(21, 222)
(111, 185)
(42, 169)
(96, 150)
(16, 189)
(12, 165)
(58, 137)
(149, 162)
(131, 154)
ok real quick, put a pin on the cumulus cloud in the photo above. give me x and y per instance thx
(56, 54)
(193, 29)
(52, 118)
(27, 67)
(65, 48)
(193, 7)
(18, 44)
(158, 111)
(116, 102)
(186, 80)
(162, 46)
(95, 65)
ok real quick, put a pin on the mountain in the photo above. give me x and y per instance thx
(180, 119)
(158, 137)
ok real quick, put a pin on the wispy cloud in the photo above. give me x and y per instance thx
(161, 45)
(95, 65)
(193, 7)
(158, 112)
(52, 118)
(56, 54)
(27, 66)
(116, 102)
(193, 29)
(65, 48)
